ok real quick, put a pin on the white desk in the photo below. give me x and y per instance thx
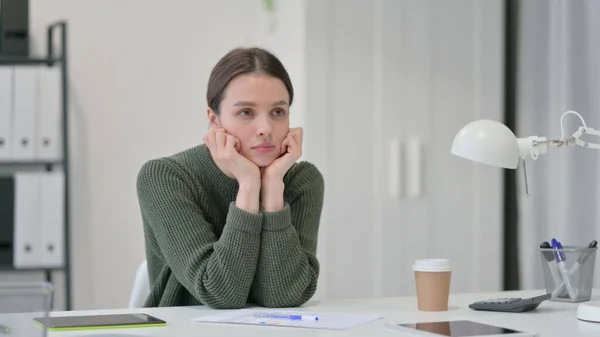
(550, 319)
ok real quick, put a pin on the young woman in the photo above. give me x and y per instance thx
(234, 221)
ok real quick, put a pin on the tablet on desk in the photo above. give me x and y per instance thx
(457, 329)
(109, 321)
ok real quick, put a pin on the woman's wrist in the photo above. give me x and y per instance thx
(272, 195)
(248, 197)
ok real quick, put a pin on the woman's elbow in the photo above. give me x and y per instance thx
(220, 303)
(286, 303)
(228, 300)
(290, 300)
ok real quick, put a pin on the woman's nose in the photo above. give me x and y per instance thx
(264, 132)
(264, 129)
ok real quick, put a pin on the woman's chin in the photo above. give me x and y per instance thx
(262, 161)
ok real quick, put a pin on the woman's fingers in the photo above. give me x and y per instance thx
(238, 145)
(209, 140)
(285, 144)
(299, 134)
(231, 143)
(293, 140)
(220, 141)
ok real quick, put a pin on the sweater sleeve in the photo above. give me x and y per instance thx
(217, 271)
(288, 268)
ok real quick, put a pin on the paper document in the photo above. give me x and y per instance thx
(300, 319)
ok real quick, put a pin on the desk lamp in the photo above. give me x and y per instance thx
(492, 143)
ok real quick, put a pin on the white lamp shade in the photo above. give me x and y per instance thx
(488, 142)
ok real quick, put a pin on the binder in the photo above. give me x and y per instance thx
(51, 218)
(6, 113)
(25, 113)
(26, 216)
(48, 137)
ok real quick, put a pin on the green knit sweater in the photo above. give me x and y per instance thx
(203, 250)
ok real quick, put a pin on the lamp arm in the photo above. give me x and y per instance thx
(528, 150)
(575, 138)
(533, 146)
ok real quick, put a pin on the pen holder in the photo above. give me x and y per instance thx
(568, 272)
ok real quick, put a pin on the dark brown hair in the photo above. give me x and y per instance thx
(241, 61)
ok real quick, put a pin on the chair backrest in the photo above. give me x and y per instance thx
(141, 287)
(20, 303)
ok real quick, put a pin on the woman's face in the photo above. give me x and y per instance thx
(255, 109)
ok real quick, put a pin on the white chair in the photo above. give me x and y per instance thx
(141, 287)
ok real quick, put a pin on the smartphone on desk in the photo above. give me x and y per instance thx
(462, 328)
(108, 321)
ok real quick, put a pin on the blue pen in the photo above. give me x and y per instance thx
(580, 261)
(549, 256)
(560, 259)
(288, 317)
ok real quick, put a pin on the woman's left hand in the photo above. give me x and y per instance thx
(291, 151)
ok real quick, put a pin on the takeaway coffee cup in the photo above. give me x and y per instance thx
(432, 278)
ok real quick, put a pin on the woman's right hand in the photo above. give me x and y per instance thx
(224, 149)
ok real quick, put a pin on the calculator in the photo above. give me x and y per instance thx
(510, 304)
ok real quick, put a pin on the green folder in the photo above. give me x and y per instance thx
(106, 321)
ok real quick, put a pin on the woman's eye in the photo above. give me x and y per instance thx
(278, 112)
(245, 113)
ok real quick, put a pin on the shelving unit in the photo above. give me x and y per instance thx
(55, 56)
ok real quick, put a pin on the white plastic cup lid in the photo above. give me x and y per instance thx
(432, 265)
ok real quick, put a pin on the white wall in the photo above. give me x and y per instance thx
(386, 70)
(138, 72)
(284, 33)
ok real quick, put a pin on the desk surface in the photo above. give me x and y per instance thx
(550, 319)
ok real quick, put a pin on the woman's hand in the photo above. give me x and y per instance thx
(272, 186)
(224, 149)
(291, 151)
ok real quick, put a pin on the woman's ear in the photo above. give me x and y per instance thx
(213, 118)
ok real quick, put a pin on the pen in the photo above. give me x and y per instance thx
(582, 258)
(290, 317)
(553, 268)
(580, 261)
(4, 329)
(560, 259)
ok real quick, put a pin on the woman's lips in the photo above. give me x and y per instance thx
(264, 148)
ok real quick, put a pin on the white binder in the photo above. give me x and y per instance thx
(48, 137)
(27, 215)
(6, 99)
(25, 113)
(51, 218)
